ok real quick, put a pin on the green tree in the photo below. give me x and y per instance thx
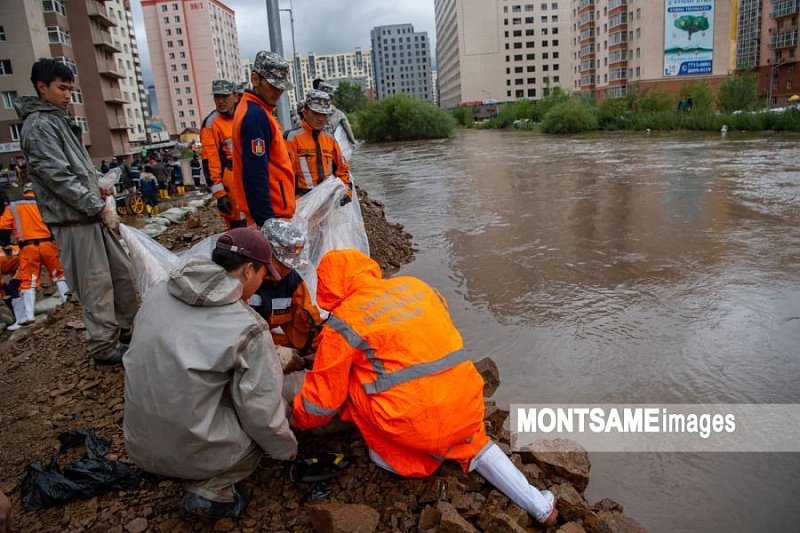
(701, 94)
(349, 97)
(402, 117)
(571, 116)
(691, 24)
(739, 92)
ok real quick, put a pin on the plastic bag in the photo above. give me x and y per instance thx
(151, 261)
(108, 180)
(46, 486)
(344, 142)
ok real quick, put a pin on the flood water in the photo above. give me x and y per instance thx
(621, 268)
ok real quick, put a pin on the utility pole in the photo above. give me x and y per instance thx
(276, 45)
(295, 62)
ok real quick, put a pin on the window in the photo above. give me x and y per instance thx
(8, 99)
(15, 131)
(166, 19)
(2, 33)
(57, 34)
(179, 31)
(171, 55)
(180, 42)
(54, 6)
(175, 79)
(163, 8)
(177, 90)
(173, 67)
(176, 18)
(168, 32)
(77, 96)
(68, 62)
(186, 79)
(187, 90)
(5, 67)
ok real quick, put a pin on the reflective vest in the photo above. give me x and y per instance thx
(23, 217)
(315, 156)
(263, 179)
(391, 360)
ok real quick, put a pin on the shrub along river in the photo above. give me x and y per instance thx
(624, 268)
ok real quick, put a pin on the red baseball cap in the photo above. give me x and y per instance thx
(249, 243)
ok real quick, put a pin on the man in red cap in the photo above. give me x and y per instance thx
(202, 380)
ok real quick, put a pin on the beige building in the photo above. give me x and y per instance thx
(354, 67)
(191, 43)
(80, 35)
(501, 50)
(621, 45)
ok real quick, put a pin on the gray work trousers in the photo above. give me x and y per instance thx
(99, 273)
(220, 487)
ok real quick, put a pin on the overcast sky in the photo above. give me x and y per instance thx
(320, 26)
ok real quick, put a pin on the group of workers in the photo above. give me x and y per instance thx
(206, 353)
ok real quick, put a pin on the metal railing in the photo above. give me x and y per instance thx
(784, 8)
(784, 39)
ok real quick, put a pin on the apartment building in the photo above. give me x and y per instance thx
(191, 43)
(501, 50)
(623, 45)
(401, 61)
(354, 67)
(87, 36)
(767, 41)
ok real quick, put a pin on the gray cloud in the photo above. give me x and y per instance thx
(321, 27)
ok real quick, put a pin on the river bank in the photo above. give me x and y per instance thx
(49, 387)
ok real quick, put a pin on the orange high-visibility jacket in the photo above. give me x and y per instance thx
(391, 360)
(216, 152)
(262, 171)
(315, 156)
(9, 261)
(24, 219)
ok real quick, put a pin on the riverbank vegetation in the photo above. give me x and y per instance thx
(401, 117)
(735, 104)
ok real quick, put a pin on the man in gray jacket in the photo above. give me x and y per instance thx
(65, 182)
(202, 379)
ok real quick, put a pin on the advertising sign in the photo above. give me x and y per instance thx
(688, 37)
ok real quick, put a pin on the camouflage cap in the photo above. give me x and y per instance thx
(319, 102)
(240, 87)
(28, 187)
(326, 87)
(285, 240)
(223, 87)
(274, 69)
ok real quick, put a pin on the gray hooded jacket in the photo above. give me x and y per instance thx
(202, 380)
(63, 176)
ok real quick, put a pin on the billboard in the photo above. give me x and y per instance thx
(688, 37)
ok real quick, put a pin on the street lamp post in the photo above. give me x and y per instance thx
(276, 45)
(295, 63)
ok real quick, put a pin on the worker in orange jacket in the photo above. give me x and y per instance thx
(217, 152)
(262, 170)
(9, 262)
(391, 360)
(37, 248)
(315, 154)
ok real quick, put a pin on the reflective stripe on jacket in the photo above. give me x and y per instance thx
(315, 155)
(288, 304)
(390, 359)
(263, 179)
(23, 217)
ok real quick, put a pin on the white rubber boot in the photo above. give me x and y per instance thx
(18, 305)
(63, 290)
(29, 296)
(498, 470)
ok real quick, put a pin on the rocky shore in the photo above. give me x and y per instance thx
(49, 387)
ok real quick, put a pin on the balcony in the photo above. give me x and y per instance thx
(98, 12)
(784, 8)
(113, 96)
(786, 39)
(102, 40)
(584, 4)
(118, 123)
(110, 70)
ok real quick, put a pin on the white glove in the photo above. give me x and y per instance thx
(109, 214)
(289, 359)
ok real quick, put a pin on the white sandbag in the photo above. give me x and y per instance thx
(154, 230)
(197, 203)
(344, 143)
(151, 261)
(45, 306)
(161, 221)
(174, 215)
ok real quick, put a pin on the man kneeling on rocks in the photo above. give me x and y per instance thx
(391, 360)
(202, 380)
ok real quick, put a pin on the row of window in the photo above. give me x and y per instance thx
(530, 32)
(529, 20)
(531, 44)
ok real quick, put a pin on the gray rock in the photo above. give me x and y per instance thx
(561, 458)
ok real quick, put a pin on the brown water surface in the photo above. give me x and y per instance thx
(622, 268)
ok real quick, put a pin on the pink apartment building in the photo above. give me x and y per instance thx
(191, 43)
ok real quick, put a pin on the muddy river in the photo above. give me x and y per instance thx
(624, 268)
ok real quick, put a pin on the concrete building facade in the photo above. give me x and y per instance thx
(86, 36)
(401, 61)
(768, 41)
(354, 67)
(623, 45)
(191, 43)
(501, 50)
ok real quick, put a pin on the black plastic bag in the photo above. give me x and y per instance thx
(46, 486)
